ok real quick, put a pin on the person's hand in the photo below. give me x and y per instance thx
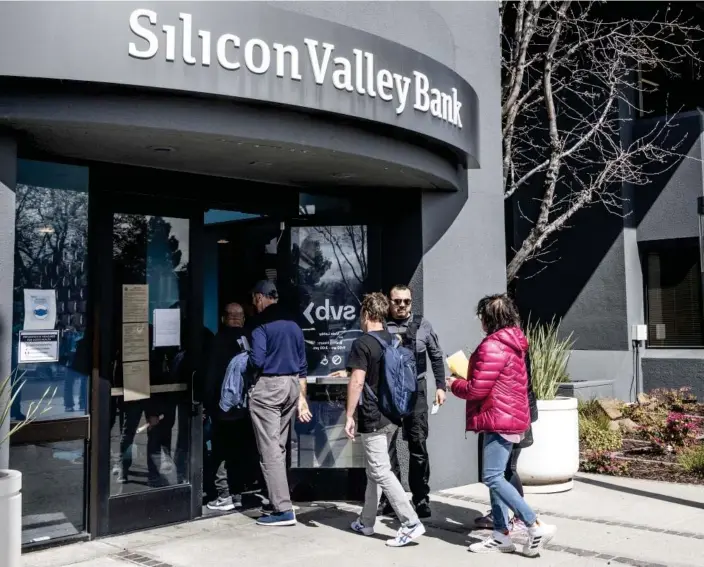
(304, 414)
(449, 381)
(440, 397)
(339, 374)
(153, 420)
(350, 426)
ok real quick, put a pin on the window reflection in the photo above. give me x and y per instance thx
(149, 437)
(51, 234)
(52, 489)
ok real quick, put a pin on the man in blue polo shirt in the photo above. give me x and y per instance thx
(278, 362)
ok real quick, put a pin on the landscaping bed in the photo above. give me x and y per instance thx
(659, 438)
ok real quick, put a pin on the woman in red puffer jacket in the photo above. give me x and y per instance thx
(496, 390)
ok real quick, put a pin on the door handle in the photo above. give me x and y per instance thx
(193, 388)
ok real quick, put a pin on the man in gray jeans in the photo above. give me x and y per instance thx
(365, 363)
(278, 361)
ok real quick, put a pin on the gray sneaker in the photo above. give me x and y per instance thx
(221, 504)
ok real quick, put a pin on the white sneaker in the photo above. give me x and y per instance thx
(360, 528)
(406, 535)
(495, 543)
(539, 535)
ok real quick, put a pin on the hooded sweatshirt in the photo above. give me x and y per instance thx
(497, 386)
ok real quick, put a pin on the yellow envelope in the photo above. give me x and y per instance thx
(458, 364)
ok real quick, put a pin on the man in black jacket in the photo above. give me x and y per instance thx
(232, 435)
(418, 335)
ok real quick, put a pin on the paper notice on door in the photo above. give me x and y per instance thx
(135, 342)
(167, 327)
(135, 303)
(135, 380)
(458, 364)
(39, 309)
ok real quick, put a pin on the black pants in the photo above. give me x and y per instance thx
(511, 475)
(415, 431)
(233, 455)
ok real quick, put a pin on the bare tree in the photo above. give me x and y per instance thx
(349, 247)
(569, 84)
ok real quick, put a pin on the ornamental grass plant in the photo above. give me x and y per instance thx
(549, 355)
(10, 389)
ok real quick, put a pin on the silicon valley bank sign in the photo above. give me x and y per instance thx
(354, 73)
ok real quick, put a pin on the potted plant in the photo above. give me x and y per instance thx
(11, 481)
(550, 463)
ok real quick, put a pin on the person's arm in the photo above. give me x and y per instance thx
(485, 367)
(257, 357)
(357, 364)
(304, 413)
(437, 361)
(354, 392)
(437, 358)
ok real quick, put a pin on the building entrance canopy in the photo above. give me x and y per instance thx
(248, 51)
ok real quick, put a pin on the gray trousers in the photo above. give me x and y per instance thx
(272, 405)
(380, 478)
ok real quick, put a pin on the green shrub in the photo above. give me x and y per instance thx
(602, 462)
(677, 400)
(549, 355)
(592, 411)
(594, 436)
(692, 460)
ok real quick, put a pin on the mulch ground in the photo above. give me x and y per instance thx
(647, 464)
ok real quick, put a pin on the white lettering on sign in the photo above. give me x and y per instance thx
(329, 312)
(356, 73)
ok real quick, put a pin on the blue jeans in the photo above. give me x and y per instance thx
(497, 452)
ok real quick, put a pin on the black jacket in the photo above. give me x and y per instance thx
(223, 349)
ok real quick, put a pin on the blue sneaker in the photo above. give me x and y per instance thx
(278, 519)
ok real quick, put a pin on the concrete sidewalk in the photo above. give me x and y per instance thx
(604, 520)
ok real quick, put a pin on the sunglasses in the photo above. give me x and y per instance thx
(402, 301)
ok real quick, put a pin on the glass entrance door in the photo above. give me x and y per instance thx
(329, 274)
(150, 448)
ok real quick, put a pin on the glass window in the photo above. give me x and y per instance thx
(331, 275)
(52, 489)
(51, 285)
(151, 404)
(674, 298)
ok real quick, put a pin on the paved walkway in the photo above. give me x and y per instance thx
(603, 521)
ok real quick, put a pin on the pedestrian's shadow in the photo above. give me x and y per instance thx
(333, 518)
(451, 524)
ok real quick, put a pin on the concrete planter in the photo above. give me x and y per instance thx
(587, 390)
(10, 518)
(549, 465)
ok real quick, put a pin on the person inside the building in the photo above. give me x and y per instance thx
(496, 391)
(417, 334)
(232, 432)
(278, 363)
(365, 365)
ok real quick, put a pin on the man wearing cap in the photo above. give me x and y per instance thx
(278, 362)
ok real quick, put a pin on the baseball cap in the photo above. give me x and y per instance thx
(266, 288)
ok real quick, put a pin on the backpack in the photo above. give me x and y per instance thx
(397, 384)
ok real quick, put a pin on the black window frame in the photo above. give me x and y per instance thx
(662, 246)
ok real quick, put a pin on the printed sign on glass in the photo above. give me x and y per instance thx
(330, 264)
(38, 346)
